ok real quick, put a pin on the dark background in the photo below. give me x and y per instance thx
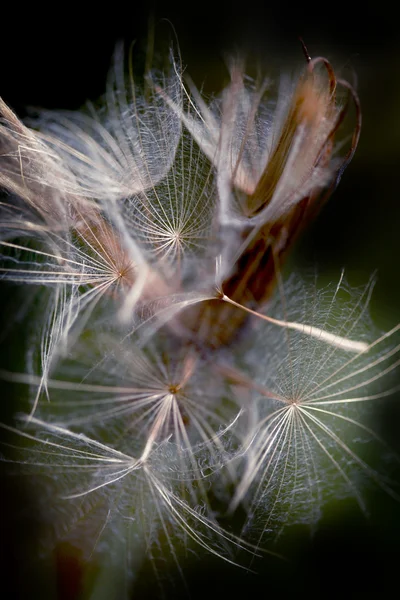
(58, 57)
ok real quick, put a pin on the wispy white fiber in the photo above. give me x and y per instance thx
(170, 367)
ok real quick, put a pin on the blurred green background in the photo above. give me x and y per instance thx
(59, 58)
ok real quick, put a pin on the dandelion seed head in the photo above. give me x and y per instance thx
(173, 366)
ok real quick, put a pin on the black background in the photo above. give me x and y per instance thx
(58, 56)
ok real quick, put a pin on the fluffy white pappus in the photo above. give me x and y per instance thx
(117, 390)
(174, 221)
(57, 175)
(125, 147)
(79, 270)
(313, 414)
(52, 237)
(111, 506)
(32, 174)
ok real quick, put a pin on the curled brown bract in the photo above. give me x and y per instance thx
(312, 121)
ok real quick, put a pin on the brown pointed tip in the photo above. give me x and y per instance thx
(305, 51)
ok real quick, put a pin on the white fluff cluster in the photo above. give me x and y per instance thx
(166, 372)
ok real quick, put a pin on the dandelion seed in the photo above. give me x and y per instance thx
(311, 330)
(101, 498)
(312, 409)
